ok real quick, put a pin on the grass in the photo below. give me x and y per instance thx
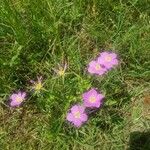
(38, 36)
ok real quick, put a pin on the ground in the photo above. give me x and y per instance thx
(38, 38)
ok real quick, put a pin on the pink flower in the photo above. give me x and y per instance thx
(17, 99)
(96, 68)
(92, 98)
(77, 115)
(108, 59)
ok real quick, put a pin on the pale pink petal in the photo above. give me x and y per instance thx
(84, 96)
(101, 60)
(87, 95)
(91, 70)
(92, 91)
(70, 117)
(23, 95)
(92, 63)
(14, 103)
(101, 72)
(84, 117)
(91, 67)
(13, 96)
(81, 109)
(19, 94)
(100, 97)
(97, 104)
(104, 54)
(87, 103)
(113, 55)
(115, 62)
(77, 123)
(74, 109)
(108, 65)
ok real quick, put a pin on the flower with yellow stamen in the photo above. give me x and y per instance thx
(61, 70)
(92, 98)
(77, 115)
(37, 85)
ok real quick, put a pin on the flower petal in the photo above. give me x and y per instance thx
(97, 104)
(74, 109)
(100, 97)
(84, 117)
(91, 70)
(104, 54)
(113, 55)
(81, 109)
(13, 96)
(19, 94)
(14, 103)
(23, 95)
(70, 117)
(77, 123)
(115, 62)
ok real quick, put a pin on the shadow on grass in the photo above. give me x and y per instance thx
(139, 140)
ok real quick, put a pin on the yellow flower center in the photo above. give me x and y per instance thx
(92, 99)
(77, 114)
(108, 58)
(38, 86)
(97, 67)
(19, 99)
(61, 72)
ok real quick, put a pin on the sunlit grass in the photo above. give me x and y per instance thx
(36, 36)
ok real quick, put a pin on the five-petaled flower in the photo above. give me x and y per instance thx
(77, 115)
(108, 59)
(96, 68)
(92, 98)
(17, 98)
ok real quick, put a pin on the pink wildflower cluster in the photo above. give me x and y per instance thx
(105, 62)
(92, 98)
